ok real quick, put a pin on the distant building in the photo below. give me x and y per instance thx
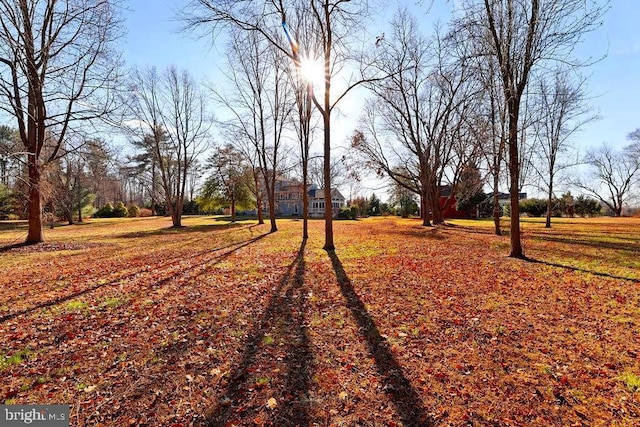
(505, 198)
(449, 202)
(288, 199)
(317, 202)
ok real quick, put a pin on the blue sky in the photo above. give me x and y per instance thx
(153, 38)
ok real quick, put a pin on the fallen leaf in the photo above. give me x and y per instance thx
(272, 403)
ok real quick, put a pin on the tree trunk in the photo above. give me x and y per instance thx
(272, 204)
(233, 210)
(514, 176)
(496, 207)
(437, 215)
(154, 212)
(424, 208)
(547, 223)
(178, 212)
(328, 211)
(258, 194)
(35, 234)
(305, 202)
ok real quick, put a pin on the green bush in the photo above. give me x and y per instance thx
(120, 210)
(348, 212)
(134, 211)
(533, 207)
(104, 212)
(7, 202)
(587, 206)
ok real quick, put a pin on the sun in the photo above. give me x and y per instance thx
(312, 70)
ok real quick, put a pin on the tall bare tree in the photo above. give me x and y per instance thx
(334, 24)
(169, 110)
(522, 36)
(260, 103)
(414, 124)
(614, 176)
(57, 70)
(634, 148)
(563, 107)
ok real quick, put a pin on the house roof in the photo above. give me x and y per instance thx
(318, 193)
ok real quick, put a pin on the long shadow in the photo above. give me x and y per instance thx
(631, 247)
(169, 231)
(163, 263)
(582, 270)
(403, 395)
(286, 307)
(7, 248)
(117, 281)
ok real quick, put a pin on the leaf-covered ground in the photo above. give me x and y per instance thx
(135, 324)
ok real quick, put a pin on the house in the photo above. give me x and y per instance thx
(505, 198)
(289, 196)
(449, 202)
(317, 202)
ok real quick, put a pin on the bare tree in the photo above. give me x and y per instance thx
(634, 148)
(70, 183)
(563, 106)
(168, 109)
(302, 116)
(57, 71)
(414, 125)
(494, 151)
(260, 104)
(614, 176)
(522, 36)
(334, 24)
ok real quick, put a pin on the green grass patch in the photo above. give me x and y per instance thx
(76, 306)
(15, 359)
(631, 381)
(112, 302)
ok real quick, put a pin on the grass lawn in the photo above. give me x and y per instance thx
(136, 324)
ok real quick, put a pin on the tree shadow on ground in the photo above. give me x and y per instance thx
(117, 281)
(180, 230)
(404, 397)
(634, 246)
(7, 248)
(286, 312)
(581, 270)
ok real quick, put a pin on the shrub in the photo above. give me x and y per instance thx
(145, 212)
(104, 212)
(134, 211)
(534, 207)
(120, 210)
(348, 212)
(587, 206)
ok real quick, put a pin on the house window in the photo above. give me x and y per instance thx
(295, 209)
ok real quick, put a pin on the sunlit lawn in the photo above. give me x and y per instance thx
(133, 323)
